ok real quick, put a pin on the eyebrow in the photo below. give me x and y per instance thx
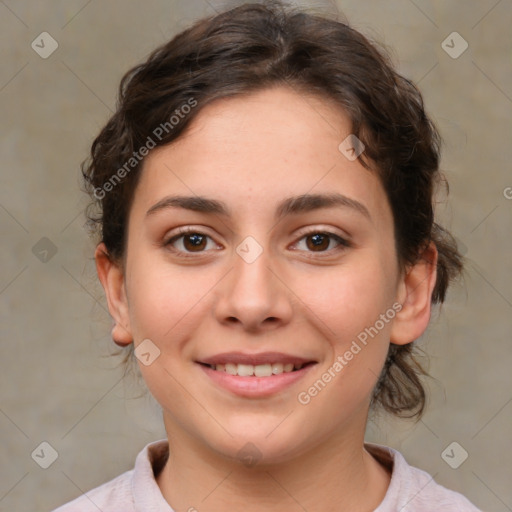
(290, 206)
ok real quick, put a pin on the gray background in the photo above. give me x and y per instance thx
(59, 384)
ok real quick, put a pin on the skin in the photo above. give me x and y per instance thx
(251, 153)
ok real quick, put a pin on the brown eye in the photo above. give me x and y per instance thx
(191, 242)
(318, 242)
(194, 242)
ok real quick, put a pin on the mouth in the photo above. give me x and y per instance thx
(264, 364)
(259, 370)
(255, 375)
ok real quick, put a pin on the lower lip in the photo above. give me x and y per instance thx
(253, 387)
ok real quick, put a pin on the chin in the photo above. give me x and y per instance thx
(261, 445)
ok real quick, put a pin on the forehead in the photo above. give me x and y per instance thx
(251, 151)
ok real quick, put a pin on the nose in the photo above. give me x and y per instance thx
(254, 297)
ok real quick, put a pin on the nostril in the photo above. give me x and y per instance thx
(253, 326)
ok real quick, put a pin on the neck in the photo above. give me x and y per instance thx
(334, 476)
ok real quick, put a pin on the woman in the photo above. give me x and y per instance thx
(268, 250)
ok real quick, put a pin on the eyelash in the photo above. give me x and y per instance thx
(182, 232)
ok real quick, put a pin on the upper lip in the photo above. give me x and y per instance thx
(255, 359)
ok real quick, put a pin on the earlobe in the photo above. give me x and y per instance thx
(415, 296)
(111, 276)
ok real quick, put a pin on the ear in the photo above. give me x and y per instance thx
(415, 295)
(111, 276)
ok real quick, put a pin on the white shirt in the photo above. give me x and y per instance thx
(410, 489)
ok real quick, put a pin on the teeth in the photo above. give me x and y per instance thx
(260, 370)
(263, 370)
(277, 368)
(232, 369)
(245, 370)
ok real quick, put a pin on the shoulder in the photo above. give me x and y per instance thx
(132, 491)
(110, 497)
(412, 489)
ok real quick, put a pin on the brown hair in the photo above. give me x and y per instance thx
(255, 46)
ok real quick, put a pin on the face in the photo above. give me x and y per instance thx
(254, 244)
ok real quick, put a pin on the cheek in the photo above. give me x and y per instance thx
(166, 305)
(352, 306)
(346, 299)
(165, 301)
